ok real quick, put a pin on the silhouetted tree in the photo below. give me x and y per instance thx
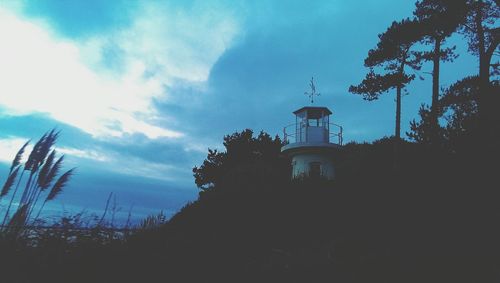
(245, 158)
(482, 30)
(424, 131)
(393, 53)
(458, 110)
(438, 19)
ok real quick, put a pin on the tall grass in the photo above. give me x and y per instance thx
(38, 181)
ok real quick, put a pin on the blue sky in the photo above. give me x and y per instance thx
(141, 89)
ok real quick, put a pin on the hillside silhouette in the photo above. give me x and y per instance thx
(435, 219)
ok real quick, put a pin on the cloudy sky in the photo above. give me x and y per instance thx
(141, 89)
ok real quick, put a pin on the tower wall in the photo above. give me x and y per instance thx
(303, 163)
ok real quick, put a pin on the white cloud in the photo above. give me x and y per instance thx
(9, 148)
(43, 73)
(11, 145)
(84, 153)
(139, 167)
(118, 163)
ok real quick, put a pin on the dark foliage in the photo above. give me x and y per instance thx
(458, 115)
(246, 158)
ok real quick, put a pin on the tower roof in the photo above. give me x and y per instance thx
(313, 111)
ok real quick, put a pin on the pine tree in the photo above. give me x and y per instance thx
(481, 28)
(392, 55)
(438, 19)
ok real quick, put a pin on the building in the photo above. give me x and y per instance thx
(312, 143)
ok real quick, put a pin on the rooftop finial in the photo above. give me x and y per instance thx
(313, 91)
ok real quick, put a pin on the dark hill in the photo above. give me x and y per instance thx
(433, 219)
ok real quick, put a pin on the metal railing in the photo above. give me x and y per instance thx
(292, 133)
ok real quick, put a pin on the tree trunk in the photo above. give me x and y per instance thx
(397, 132)
(486, 100)
(435, 108)
(493, 100)
(482, 98)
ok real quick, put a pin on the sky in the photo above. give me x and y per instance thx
(141, 89)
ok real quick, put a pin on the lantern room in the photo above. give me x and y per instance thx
(312, 125)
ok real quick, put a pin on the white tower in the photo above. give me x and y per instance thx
(312, 142)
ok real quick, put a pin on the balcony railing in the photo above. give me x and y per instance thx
(298, 133)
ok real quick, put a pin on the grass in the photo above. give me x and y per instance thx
(38, 181)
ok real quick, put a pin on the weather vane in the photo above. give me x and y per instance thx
(313, 91)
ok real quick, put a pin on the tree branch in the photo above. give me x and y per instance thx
(468, 27)
(493, 46)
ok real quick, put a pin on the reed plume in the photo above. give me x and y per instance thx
(43, 179)
(43, 168)
(59, 185)
(19, 156)
(40, 151)
(33, 157)
(10, 181)
(54, 170)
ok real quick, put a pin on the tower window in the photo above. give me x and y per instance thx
(315, 169)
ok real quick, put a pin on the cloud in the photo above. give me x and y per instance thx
(106, 85)
(152, 170)
(10, 146)
(84, 153)
(109, 160)
(135, 156)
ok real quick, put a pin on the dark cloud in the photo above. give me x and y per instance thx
(33, 126)
(260, 81)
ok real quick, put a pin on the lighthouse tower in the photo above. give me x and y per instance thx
(312, 142)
